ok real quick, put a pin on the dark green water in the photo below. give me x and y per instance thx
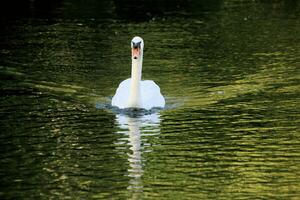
(229, 71)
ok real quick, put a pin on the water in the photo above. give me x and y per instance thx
(229, 71)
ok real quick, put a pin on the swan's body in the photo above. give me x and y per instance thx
(133, 92)
(150, 95)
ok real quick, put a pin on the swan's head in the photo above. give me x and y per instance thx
(137, 46)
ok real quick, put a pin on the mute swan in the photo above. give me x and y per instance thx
(133, 92)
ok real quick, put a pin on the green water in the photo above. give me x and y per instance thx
(229, 71)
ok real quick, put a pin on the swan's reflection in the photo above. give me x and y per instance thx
(136, 128)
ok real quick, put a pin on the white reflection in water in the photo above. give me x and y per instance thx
(137, 128)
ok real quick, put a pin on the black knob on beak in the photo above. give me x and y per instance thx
(136, 45)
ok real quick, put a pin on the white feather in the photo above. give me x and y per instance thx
(150, 95)
(134, 92)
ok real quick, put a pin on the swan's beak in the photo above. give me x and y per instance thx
(135, 52)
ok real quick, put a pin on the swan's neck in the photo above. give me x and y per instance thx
(135, 90)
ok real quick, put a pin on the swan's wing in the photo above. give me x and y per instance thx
(151, 96)
(122, 94)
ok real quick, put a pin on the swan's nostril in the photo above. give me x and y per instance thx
(134, 57)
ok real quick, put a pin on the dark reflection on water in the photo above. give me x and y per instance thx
(230, 74)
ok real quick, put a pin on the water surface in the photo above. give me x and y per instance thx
(229, 71)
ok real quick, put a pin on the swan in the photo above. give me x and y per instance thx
(133, 92)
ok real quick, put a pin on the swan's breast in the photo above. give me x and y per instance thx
(150, 95)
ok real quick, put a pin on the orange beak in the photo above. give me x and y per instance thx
(135, 53)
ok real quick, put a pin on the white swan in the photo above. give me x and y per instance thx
(133, 92)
